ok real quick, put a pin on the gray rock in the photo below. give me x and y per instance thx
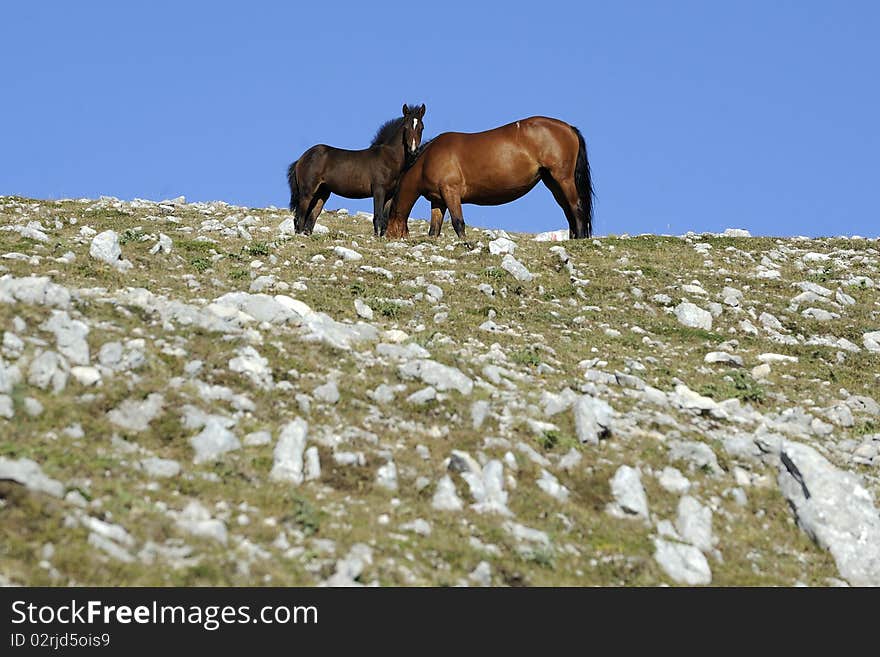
(29, 474)
(685, 564)
(482, 574)
(694, 523)
(137, 415)
(110, 547)
(86, 376)
(698, 454)
(383, 394)
(629, 494)
(819, 314)
(156, 467)
(213, 441)
(49, 369)
(516, 269)
(553, 404)
(417, 526)
(327, 393)
(835, 510)
(445, 498)
(441, 377)
(691, 400)
(288, 465)
(871, 340)
(592, 419)
(33, 407)
(422, 396)
(479, 412)
(70, 335)
(693, 316)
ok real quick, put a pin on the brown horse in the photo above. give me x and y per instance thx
(495, 167)
(375, 171)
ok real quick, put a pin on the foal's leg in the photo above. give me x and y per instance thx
(452, 199)
(438, 209)
(379, 219)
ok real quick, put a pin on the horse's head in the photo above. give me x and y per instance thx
(412, 127)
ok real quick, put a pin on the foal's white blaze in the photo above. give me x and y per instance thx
(414, 144)
(415, 123)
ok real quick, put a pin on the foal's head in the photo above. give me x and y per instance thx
(412, 127)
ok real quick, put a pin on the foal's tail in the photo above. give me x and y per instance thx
(584, 184)
(294, 187)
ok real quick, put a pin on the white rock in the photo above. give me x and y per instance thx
(327, 393)
(672, 480)
(156, 467)
(501, 246)
(871, 341)
(195, 519)
(422, 396)
(288, 465)
(213, 441)
(255, 367)
(347, 254)
(723, 357)
(629, 494)
(683, 563)
(693, 316)
(363, 310)
(162, 245)
(312, 464)
(515, 268)
(736, 232)
(29, 474)
(550, 485)
(87, 376)
(136, 415)
(386, 476)
(694, 523)
(49, 369)
(70, 335)
(105, 247)
(445, 498)
(592, 419)
(441, 377)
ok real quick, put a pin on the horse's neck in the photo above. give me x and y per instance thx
(397, 148)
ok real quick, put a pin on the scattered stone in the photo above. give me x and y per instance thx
(29, 474)
(327, 393)
(441, 377)
(105, 247)
(685, 564)
(592, 419)
(516, 269)
(629, 494)
(693, 316)
(213, 441)
(445, 497)
(835, 510)
(136, 415)
(288, 465)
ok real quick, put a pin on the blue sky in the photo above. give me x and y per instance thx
(697, 115)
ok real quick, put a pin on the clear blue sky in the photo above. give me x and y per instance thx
(698, 115)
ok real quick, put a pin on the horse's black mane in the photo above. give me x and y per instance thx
(411, 158)
(387, 130)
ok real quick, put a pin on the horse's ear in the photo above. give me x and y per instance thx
(405, 107)
(422, 111)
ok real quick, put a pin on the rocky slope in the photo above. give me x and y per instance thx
(192, 395)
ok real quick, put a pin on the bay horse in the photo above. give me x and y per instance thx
(496, 167)
(375, 171)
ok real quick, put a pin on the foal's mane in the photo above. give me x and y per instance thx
(385, 133)
(411, 158)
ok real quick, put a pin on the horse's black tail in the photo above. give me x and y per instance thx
(584, 184)
(294, 187)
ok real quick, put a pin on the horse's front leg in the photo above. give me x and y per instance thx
(378, 210)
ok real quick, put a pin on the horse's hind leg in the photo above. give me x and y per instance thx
(452, 199)
(438, 209)
(565, 193)
(318, 202)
